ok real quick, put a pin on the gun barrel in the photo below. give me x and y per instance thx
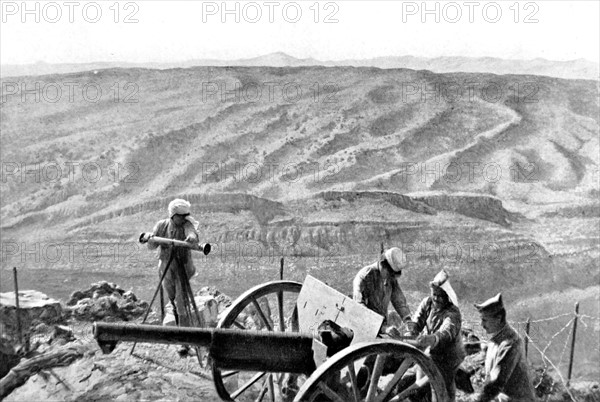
(109, 333)
(229, 348)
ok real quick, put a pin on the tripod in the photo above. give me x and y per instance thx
(189, 303)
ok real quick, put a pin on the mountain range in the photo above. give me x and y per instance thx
(572, 69)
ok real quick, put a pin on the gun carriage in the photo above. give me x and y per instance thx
(267, 346)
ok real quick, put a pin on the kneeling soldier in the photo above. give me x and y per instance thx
(439, 318)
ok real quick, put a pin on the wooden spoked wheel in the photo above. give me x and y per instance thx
(267, 307)
(378, 371)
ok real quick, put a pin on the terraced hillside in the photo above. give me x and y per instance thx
(312, 129)
(493, 177)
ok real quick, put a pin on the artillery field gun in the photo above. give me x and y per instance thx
(268, 346)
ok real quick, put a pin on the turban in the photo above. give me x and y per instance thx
(441, 281)
(182, 207)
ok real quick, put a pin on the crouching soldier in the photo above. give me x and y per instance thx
(440, 319)
(506, 375)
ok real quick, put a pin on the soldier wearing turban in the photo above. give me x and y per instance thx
(179, 226)
(439, 318)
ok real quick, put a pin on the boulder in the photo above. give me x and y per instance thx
(105, 301)
(34, 308)
(223, 301)
(208, 308)
(96, 290)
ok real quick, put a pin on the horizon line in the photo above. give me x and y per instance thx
(39, 62)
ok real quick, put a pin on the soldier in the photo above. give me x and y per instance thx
(506, 375)
(376, 285)
(438, 315)
(179, 226)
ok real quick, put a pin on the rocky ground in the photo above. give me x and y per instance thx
(64, 363)
(154, 372)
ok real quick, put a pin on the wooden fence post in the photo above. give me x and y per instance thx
(573, 335)
(527, 326)
(17, 310)
(22, 342)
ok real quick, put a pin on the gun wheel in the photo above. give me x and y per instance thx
(267, 307)
(378, 371)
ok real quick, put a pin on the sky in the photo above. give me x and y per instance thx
(161, 31)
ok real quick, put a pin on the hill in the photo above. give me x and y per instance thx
(493, 177)
(291, 135)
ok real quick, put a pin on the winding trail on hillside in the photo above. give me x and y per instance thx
(449, 157)
(455, 155)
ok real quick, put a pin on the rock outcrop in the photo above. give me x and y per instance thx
(211, 303)
(105, 301)
(478, 206)
(66, 364)
(34, 308)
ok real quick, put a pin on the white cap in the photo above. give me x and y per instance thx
(395, 257)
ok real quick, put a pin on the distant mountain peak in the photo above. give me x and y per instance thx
(280, 54)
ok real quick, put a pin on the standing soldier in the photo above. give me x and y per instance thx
(440, 319)
(506, 375)
(179, 226)
(376, 285)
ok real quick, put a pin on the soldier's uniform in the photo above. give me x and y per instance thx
(376, 291)
(445, 324)
(506, 375)
(182, 266)
(371, 290)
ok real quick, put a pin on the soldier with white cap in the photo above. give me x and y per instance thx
(506, 375)
(439, 318)
(376, 285)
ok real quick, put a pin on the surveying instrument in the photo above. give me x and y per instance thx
(189, 303)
